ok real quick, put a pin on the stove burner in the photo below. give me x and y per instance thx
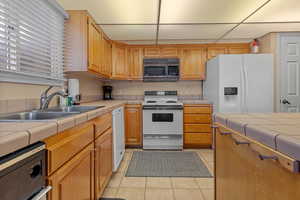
(171, 101)
(151, 101)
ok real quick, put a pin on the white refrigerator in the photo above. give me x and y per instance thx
(240, 83)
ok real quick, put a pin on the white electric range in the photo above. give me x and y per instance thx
(162, 120)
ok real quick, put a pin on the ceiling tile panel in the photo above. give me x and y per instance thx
(278, 11)
(207, 11)
(193, 31)
(258, 30)
(116, 11)
(130, 32)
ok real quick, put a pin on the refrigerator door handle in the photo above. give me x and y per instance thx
(246, 88)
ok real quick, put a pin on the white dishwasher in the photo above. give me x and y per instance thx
(118, 137)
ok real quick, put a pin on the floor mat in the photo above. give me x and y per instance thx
(166, 164)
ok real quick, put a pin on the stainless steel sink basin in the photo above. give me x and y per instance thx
(80, 109)
(35, 116)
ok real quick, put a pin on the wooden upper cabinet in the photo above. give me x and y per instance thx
(238, 50)
(94, 50)
(193, 61)
(133, 128)
(152, 52)
(135, 63)
(106, 67)
(169, 52)
(158, 52)
(214, 51)
(85, 45)
(119, 62)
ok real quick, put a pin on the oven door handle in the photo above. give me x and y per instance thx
(42, 193)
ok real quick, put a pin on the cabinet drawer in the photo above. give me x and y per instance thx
(197, 110)
(200, 139)
(65, 145)
(197, 128)
(197, 118)
(102, 123)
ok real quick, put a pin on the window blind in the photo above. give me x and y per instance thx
(31, 41)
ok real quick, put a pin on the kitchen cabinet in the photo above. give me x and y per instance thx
(75, 180)
(95, 46)
(85, 45)
(238, 50)
(241, 173)
(119, 62)
(135, 63)
(103, 161)
(192, 64)
(214, 51)
(197, 125)
(107, 57)
(79, 160)
(158, 52)
(133, 125)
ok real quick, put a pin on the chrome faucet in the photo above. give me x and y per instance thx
(45, 99)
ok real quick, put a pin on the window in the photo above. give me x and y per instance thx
(31, 41)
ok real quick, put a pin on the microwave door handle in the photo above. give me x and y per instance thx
(42, 193)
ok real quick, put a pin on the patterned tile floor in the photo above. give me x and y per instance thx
(146, 188)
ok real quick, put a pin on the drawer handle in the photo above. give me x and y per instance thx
(239, 142)
(225, 133)
(263, 157)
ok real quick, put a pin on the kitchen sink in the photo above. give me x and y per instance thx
(35, 116)
(80, 109)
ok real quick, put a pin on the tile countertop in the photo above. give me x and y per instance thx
(16, 135)
(279, 131)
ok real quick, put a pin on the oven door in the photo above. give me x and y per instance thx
(163, 121)
(42, 195)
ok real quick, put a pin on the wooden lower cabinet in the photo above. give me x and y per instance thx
(75, 180)
(133, 125)
(79, 160)
(241, 174)
(197, 126)
(103, 161)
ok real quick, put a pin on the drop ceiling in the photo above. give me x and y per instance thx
(190, 21)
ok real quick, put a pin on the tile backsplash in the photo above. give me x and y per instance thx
(135, 89)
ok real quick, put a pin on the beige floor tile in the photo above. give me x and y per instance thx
(133, 182)
(115, 181)
(184, 183)
(123, 167)
(127, 156)
(131, 193)
(208, 194)
(159, 194)
(205, 183)
(153, 182)
(192, 194)
(207, 156)
(133, 150)
(110, 192)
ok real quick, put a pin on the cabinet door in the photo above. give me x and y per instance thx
(103, 161)
(133, 124)
(106, 58)
(237, 50)
(152, 52)
(135, 63)
(94, 48)
(168, 52)
(214, 51)
(75, 179)
(192, 65)
(120, 70)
